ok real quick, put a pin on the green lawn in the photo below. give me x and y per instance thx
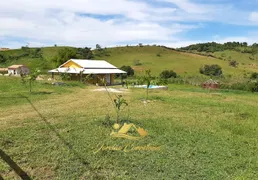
(201, 135)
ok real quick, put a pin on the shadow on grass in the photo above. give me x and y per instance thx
(52, 128)
(41, 93)
(23, 175)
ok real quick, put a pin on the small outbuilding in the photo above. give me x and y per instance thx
(210, 84)
(78, 69)
(18, 70)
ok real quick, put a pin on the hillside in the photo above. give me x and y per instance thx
(155, 58)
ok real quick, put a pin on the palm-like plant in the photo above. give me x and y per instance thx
(119, 102)
(147, 78)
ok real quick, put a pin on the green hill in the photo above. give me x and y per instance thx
(156, 58)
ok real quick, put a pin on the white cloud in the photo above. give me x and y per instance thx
(67, 22)
(254, 17)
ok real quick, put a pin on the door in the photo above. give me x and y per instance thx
(108, 79)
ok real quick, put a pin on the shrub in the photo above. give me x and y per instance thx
(211, 70)
(166, 74)
(128, 69)
(254, 87)
(137, 63)
(233, 63)
(254, 75)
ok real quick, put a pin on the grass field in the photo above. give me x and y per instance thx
(183, 63)
(54, 132)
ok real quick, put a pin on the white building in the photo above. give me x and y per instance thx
(80, 68)
(18, 69)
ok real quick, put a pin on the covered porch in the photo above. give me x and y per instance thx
(93, 76)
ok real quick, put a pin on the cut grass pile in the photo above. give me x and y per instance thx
(201, 135)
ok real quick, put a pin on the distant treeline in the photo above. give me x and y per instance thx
(213, 47)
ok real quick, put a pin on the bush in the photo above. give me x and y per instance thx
(128, 69)
(254, 75)
(3, 58)
(211, 70)
(137, 63)
(166, 74)
(233, 63)
(254, 87)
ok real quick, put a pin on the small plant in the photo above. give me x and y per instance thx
(119, 102)
(30, 78)
(147, 78)
(137, 63)
(158, 55)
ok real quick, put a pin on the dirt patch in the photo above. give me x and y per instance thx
(138, 68)
(112, 90)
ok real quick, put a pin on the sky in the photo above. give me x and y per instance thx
(110, 23)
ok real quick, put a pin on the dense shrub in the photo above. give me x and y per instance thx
(242, 86)
(254, 75)
(128, 69)
(233, 63)
(84, 53)
(2, 58)
(166, 74)
(254, 87)
(64, 55)
(211, 70)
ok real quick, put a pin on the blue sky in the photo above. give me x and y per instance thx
(81, 23)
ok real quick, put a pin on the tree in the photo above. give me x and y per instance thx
(166, 74)
(30, 78)
(98, 47)
(211, 70)
(84, 53)
(64, 55)
(2, 58)
(129, 70)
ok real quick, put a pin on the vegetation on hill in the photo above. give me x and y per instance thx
(213, 47)
(140, 58)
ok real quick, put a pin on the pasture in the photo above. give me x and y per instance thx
(57, 133)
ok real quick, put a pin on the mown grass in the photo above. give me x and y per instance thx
(202, 135)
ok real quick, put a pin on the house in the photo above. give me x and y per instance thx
(18, 70)
(96, 69)
(4, 49)
(210, 84)
(3, 70)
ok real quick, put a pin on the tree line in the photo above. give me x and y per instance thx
(213, 47)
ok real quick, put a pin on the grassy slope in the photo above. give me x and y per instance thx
(202, 135)
(177, 61)
(182, 63)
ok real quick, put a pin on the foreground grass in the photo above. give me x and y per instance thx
(202, 135)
